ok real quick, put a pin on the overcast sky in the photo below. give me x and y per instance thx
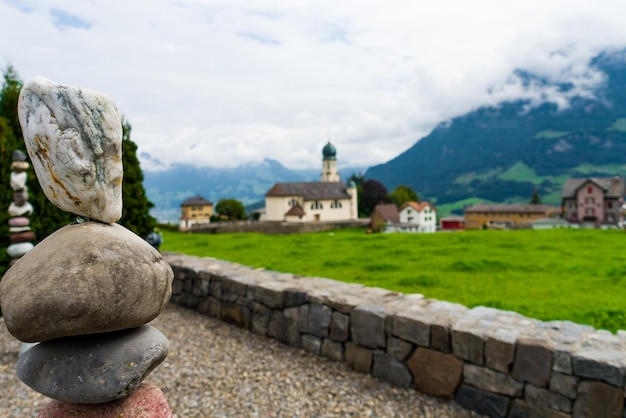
(220, 83)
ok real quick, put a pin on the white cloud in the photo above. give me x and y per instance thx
(221, 83)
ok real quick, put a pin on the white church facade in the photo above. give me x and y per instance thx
(327, 200)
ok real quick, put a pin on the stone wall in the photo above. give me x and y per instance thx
(273, 227)
(494, 362)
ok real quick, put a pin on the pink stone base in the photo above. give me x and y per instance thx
(148, 401)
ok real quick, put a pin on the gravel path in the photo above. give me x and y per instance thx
(217, 370)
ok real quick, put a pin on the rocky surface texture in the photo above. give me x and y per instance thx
(21, 236)
(215, 369)
(493, 362)
(83, 294)
(74, 139)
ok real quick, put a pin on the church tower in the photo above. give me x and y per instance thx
(329, 164)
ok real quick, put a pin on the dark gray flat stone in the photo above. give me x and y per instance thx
(93, 368)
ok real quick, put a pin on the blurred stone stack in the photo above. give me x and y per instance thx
(83, 296)
(20, 210)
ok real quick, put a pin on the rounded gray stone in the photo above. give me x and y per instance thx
(94, 368)
(83, 279)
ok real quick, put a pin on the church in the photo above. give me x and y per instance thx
(327, 200)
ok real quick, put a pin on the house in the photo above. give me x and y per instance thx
(195, 211)
(593, 201)
(452, 223)
(422, 214)
(506, 216)
(327, 200)
(411, 217)
(384, 217)
(551, 223)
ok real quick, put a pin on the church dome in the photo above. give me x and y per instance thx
(329, 152)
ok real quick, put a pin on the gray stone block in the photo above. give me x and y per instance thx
(598, 400)
(294, 297)
(332, 350)
(440, 338)
(368, 326)
(320, 317)
(486, 403)
(188, 286)
(468, 346)
(358, 358)
(544, 397)
(411, 329)
(562, 362)
(311, 343)
(491, 380)
(533, 362)
(200, 287)
(303, 319)
(599, 365)
(340, 327)
(391, 370)
(564, 384)
(259, 323)
(210, 306)
(521, 409)
(270, 294)
(500, 350)
(398, 348)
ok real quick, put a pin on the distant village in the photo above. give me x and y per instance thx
(593, 202)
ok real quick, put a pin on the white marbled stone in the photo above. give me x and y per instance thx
(18, 180)
(24, 210)
(74, 139)
(19, 249)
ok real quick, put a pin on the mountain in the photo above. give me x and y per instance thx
(248, 183)
(503, 153)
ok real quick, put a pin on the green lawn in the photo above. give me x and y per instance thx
(579, 275)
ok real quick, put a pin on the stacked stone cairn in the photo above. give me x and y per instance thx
(20, 210)
(81, 299)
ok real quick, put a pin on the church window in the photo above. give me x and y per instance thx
(293, 202)
(335, 204)
(317, 205)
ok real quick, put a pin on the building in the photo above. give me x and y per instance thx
(422, 214)
(328, 200)
(452, 223)
(594, 201)
(506, 216)
(195, 211)
(384, 217)
(411, 217)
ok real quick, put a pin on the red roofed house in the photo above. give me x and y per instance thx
(422, 214)
(328, 200)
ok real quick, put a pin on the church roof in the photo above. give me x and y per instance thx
(329, 152)
(196, 201)
(314, 190)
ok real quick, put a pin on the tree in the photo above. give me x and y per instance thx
(136, 206)
(535, 200)
(232, 209)
(403, 194)
(374, 192)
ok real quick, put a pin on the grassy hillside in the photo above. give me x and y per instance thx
(578, 275)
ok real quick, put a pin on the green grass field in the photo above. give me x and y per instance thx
(578, 275)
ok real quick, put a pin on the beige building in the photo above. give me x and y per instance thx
(328, 200)
(506, 216)
(195, 211)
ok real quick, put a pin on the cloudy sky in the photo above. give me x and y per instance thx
(225, 82)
